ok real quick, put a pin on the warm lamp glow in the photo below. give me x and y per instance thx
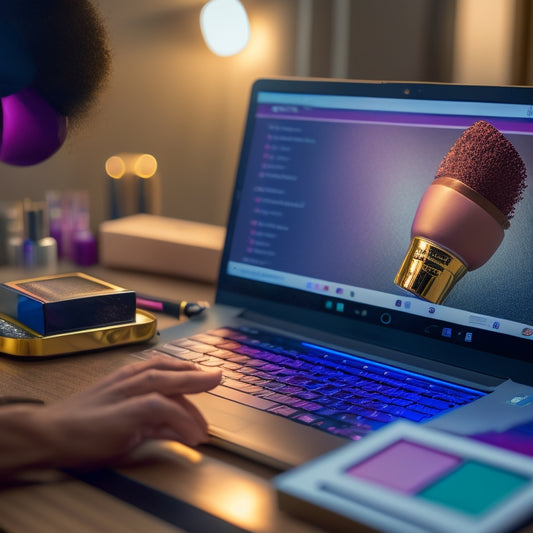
(115, 167)
(244, 503)
(140, 165)
(225, 26)
(135, 184)
(145, 166)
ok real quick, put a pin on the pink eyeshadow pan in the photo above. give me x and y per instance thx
(405, 467)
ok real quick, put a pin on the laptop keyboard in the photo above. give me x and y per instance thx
(338, 393)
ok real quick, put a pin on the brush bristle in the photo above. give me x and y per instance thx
(487, 162)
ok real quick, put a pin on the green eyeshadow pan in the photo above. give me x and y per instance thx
(474, 488)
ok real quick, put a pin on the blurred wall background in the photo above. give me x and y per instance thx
(171, 97)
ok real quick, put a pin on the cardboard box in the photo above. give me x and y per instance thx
(152, 243)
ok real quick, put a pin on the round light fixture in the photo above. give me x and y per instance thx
(225, 26)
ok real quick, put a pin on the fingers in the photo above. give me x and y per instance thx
(158, 417)
(193, 411)
(161, 362)
(167, 382)
(165, 375)
(133, 369)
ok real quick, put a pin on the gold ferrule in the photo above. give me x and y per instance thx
(429, 271)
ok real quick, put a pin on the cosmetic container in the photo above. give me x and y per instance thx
(10, 228)
(36, 250)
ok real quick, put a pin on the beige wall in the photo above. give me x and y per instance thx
(171, 97)
(484, 40)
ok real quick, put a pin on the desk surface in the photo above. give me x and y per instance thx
(223, 484)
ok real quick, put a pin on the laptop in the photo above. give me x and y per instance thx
(329, 179)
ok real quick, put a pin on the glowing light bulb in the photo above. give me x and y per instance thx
(115, 167)
(145, 166)
(225, 26)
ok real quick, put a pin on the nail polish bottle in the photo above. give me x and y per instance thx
(37, 250)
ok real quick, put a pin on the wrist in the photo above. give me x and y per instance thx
(24, 443)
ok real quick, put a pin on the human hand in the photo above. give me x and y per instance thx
(105, 422)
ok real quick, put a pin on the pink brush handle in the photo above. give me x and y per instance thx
(457, 223)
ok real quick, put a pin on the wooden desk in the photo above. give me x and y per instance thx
(222, 484)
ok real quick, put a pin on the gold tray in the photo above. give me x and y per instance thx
(17, 340)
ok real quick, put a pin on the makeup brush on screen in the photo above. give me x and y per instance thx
(461, 218)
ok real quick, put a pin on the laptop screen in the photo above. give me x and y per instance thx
(330, 178)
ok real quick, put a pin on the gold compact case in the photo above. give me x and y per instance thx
(69, 313)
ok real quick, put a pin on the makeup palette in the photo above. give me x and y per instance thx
(411, 478)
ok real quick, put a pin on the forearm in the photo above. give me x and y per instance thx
(23, 441)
